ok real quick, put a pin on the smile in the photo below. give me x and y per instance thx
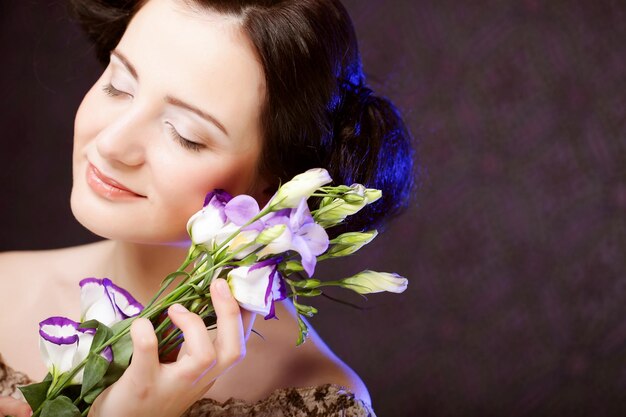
(107, 187)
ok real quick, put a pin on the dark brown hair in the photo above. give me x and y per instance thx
(319, 111)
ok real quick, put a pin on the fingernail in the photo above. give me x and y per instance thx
(179, 308)
(223, 288)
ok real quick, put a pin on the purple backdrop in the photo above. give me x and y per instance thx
(515, 245)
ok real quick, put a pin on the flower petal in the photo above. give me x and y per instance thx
(203, 225)
(308, 259)
(58, 343)
(248, 288)
(301, 186)
(241, 209)
(125, 303)
(96, 302)
(315, 237)
(217, 197)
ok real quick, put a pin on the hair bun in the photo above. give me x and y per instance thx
(360, 92)
(371, 146)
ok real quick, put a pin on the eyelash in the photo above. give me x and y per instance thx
(185, 143)
(112, 91)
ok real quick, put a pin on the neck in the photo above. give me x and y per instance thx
(140, 268)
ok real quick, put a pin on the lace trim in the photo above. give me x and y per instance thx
(323, 400)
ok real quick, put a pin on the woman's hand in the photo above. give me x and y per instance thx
(154, 389)
(9, 406)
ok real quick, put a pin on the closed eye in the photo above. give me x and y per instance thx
(185, 143)
(112, 91)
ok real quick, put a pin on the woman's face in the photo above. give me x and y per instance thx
(174, 115)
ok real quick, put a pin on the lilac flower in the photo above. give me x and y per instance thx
(301, 234)
(256, 288)
(104, 301)
(239, 211)
(63, 346)
(203, 225)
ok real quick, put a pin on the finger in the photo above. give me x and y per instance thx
(197, 352)
(230, 340)
(11, 407)
(145, 361)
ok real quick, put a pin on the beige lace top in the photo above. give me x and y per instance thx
(323, 400)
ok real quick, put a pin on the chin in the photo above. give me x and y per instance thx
(115, 221)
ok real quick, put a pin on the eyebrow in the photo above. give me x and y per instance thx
(169, 99)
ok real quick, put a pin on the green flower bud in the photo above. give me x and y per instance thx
(355, 238)
(353, 198)
(289, 267)
(270, 234)
(307, 283)
(369, 282)
(372, 194)
(348, 243)
(304, 331)
(337, 211)
(308, 311)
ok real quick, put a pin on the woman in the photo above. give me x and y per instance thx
(198, 95)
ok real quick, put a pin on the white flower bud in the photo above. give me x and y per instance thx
(301, 186)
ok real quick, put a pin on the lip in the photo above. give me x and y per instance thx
(107, 187)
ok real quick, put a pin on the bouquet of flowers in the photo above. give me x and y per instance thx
(265, 255)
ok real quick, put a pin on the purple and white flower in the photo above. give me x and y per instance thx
(301, 234)
(221, 217)
(239, 212)
(257, 287)
(63, 345)
(104, 301)
(204, 225)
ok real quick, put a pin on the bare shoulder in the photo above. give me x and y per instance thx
(324, 367)
(313, 363)
(18, 268)
(273, 362)
(14, 264)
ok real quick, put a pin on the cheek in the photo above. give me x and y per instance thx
(91, 116)
(180, 188)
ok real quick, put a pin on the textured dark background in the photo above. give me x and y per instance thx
(515, 244)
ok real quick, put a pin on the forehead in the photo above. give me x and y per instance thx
(201, 57)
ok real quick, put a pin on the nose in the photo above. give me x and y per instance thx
(122, 140)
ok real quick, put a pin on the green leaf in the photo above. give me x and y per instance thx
(103, 333)
(122, 325)
(122, 351)
(60, 407)
(35, 394)
(93, 394)
(95, 369)
(90, 324)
